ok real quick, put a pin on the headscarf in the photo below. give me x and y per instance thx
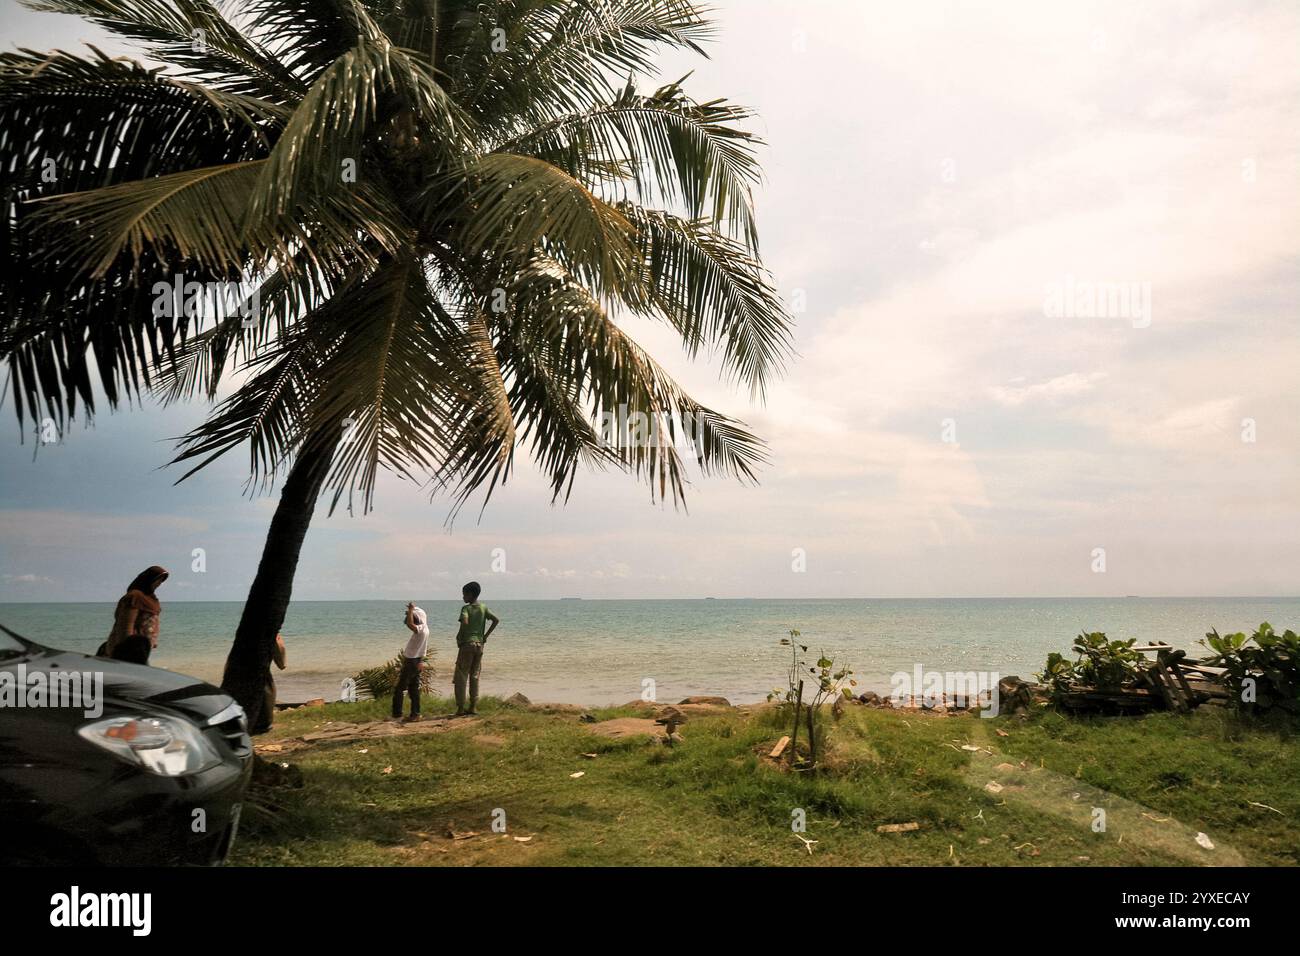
(146, 582)
(148, 579)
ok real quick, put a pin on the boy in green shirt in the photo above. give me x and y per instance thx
(470, 640)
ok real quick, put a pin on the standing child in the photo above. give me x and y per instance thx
(408, 679)
(469, 641)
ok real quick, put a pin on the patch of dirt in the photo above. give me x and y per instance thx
(491, 741)
(341, 731)
(469, 849)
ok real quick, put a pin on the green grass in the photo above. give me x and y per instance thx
(713, 799)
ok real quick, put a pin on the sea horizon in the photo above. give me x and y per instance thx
(950, 597)
(608, 651)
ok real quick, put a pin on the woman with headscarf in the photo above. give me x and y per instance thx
(135, 619)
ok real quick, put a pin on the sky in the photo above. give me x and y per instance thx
(1043, 260)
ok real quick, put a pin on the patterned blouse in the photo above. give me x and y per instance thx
(147, 611)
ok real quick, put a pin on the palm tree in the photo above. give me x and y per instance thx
(418, 222)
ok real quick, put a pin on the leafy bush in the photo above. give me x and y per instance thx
(381, 680)
(1098, 663)
(1058, 674)
(1263, 669)
(1107, 665)
(828, 681)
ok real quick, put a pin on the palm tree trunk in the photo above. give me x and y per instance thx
(249, 661)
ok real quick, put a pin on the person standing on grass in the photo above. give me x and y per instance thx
(469, 642)
(408, 679)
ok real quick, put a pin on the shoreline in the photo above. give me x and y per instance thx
(297, 693)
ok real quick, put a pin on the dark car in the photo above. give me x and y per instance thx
(104, 762)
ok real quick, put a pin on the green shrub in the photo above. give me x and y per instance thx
(1098, 663)
(381, 680)
(1058, 674)
(1107, 664)
(1263, 669)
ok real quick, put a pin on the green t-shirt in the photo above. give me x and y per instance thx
(472, 619)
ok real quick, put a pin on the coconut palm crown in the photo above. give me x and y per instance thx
(390, 234)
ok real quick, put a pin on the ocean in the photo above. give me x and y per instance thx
(603, 652)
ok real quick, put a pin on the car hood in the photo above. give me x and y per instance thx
(128, 683)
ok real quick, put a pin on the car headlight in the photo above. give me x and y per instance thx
(166, 746)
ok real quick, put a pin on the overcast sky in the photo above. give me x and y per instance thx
(946, 182)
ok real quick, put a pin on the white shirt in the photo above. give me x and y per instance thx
(419, 642)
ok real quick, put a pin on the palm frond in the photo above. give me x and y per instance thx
(192, 34)
(564, 352)
(712, 289)
(205, 217)
(481, 448)
(267, 411)
(563, 55)
(65, 344)
(71, 122)
(675, 151)
(514, 205)
(271, 308)
(305, 35)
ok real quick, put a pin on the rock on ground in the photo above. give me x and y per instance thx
(626, 727)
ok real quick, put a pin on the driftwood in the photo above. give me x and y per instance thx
(897, 827)
(1172, 681)
(1124, 699)
(1167, 674)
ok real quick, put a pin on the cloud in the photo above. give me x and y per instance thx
(1062, 386)
(27, 579)
(59, 528)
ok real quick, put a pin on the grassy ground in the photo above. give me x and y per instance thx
(713, 799)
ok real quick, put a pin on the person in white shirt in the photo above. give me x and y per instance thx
(408, 679)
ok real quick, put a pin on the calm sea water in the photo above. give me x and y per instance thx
(599, 652)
